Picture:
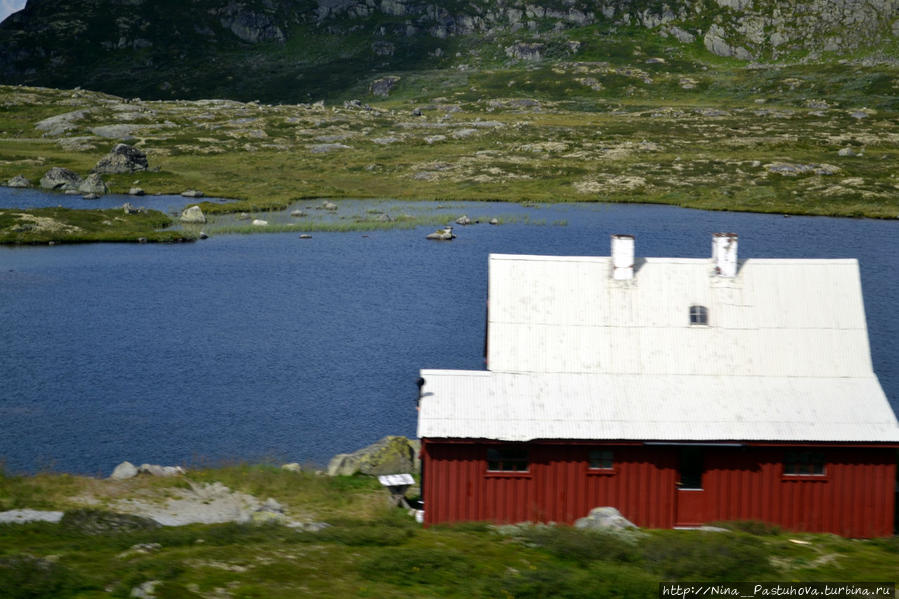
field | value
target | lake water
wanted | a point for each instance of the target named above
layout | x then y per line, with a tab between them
271	347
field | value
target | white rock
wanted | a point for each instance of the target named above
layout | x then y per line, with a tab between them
445	234
157	470
146	590
257	222
123	471
193	214
604	518
26	515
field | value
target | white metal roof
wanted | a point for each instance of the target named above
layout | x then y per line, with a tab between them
523	407
776	317
575	354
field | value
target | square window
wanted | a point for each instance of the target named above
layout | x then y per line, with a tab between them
804	463
600	459
699	315
507	459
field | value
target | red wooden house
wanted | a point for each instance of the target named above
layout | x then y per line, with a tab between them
680	391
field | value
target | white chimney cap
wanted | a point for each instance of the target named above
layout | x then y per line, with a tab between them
724	254
622	257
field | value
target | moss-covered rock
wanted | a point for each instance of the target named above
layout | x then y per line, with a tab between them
99	522
390	455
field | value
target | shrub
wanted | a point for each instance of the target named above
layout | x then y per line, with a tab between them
24	576
752	527
473	526
890	544
375	535
581	546
695	555
597	582
430	566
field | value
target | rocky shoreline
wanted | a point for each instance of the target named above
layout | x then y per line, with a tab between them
215	503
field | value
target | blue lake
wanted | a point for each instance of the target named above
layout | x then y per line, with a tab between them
271	347
35	198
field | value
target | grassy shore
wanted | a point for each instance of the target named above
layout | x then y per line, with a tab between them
63	225
371	550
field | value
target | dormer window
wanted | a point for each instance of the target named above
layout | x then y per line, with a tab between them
699	316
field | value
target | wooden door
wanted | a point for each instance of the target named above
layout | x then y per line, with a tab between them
690	509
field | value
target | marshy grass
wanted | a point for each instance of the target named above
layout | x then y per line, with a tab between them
63	225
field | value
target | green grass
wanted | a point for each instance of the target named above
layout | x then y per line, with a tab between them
371	550
63	225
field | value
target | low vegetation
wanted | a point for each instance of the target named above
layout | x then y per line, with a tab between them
371	550
629	117
64	225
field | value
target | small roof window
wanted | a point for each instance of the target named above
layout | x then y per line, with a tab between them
699	315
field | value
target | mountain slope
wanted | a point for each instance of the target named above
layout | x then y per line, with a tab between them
299	50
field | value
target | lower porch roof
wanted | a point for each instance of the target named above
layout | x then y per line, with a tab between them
509	406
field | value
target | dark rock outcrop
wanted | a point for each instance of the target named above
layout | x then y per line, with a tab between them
251	25
122	159
383	85
99	522
153	49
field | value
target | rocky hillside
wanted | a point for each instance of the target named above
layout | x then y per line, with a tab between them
296	50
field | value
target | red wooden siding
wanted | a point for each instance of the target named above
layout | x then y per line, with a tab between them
854	498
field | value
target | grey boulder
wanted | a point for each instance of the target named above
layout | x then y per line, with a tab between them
382	87
93	184
19	182
61	179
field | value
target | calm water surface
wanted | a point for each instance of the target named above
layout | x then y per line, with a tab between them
272	347
35	198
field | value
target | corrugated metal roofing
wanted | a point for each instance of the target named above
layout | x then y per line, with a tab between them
574	354
775	318
526	406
